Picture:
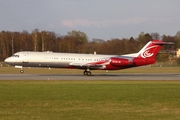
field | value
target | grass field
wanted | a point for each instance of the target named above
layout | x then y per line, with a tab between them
89	100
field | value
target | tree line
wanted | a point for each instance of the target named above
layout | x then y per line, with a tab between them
76	42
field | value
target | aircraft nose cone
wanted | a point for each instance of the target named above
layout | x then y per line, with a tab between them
7	60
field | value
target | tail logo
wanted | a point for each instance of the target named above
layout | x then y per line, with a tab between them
147	52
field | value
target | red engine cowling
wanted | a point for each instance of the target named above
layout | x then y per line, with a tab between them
120	62
143	61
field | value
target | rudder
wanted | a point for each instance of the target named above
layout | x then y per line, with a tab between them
151	49
147	54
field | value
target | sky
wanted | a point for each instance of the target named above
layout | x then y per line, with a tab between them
101	19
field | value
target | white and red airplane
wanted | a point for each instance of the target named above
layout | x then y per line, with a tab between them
87	62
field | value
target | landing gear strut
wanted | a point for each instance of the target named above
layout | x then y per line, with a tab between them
21	67
88	73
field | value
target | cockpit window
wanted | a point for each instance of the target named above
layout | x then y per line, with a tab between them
15	55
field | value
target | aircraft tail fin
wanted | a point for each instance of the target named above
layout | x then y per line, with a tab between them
147	54
151	49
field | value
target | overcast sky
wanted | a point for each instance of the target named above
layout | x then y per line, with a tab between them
103	19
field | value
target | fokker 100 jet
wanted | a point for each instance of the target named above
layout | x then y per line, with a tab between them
87	62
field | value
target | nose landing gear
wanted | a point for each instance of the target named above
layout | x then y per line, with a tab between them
20	67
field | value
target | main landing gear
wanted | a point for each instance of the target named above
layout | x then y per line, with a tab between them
88	73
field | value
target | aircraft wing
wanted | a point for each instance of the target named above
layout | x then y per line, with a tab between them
86	65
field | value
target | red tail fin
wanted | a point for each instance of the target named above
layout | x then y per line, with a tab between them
151	49
147	54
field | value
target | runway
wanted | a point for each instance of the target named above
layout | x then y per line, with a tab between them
116	76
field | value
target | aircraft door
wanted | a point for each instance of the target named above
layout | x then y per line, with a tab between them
25	58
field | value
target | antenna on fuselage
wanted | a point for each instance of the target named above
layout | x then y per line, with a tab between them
94	52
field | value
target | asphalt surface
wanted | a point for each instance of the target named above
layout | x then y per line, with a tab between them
127	76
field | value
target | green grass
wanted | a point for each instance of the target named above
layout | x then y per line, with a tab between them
89	100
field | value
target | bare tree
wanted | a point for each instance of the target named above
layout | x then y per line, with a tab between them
35	35
155	36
